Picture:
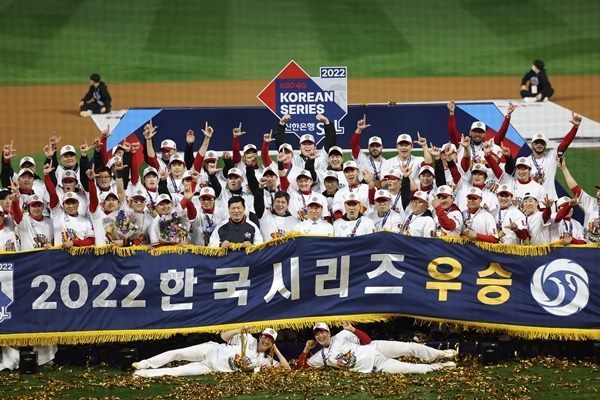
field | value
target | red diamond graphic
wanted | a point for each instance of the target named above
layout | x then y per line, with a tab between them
290	71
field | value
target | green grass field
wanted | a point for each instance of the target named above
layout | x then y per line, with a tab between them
63	41
541	378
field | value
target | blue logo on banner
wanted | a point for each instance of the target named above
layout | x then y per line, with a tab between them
561	287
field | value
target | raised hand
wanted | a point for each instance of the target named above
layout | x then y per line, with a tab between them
505	150
322	118
368	176
268	137
421	141
574	202
362	124
90	174
548	202
262	182
195	175
149	130
237	132
9	152
48	167
436	202
435	152
164	174
347	326
106	133
208	130
575	119
126	146
188	193
54	140
84	148
451	106
465	141
309	345
406	170
226	155
211	168
15	190
135	147
190	137
280	156
487	148
119	165
284	120
513	225
511	108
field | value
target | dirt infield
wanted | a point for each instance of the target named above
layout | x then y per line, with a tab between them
29	114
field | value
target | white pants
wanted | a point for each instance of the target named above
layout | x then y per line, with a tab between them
11	356
390	350
199	355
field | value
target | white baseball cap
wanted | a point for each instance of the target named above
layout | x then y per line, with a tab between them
307	138
350	164
235	171
168	145
530	195
451	145
321	326
304	173
479	168
26	159
140	193
405	137
538	137
163	197
176	158
149	170
337	149
69	175
445	190
522	161
67	149
210	155
104	195
70	196
427	168
112	161
351	198
286	146
562	201
315	200
376	140
394	173
207	192
478	125
35	199
248	147
25	171
497	151
423	196
504	189
186	175
331	175
270	332
475	192
382	194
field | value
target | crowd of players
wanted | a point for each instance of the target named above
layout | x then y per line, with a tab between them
470	186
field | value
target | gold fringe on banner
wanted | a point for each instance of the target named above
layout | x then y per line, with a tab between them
208	251
72	338
273	242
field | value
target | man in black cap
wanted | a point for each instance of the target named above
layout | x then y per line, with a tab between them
96	100
539	88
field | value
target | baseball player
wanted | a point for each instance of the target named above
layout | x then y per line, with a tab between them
165	208
538	222
5	199
336	164
479	224
36	186
374	162
419	222
314	224
510	221
361	190
167	149
447	216
104	212
563	227
235	183
477	133
35	230
589	204
298	206
277	222
241	352
479	174
392	180
68	161
404	145
8	239
353	223
383	216
352	349
331	184
208	218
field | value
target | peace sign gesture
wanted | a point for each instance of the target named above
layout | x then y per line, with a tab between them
421	141
237	132
575	119
267	137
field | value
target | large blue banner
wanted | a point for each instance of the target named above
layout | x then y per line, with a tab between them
53	296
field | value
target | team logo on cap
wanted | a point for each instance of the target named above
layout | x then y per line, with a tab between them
479	125
69	174
473	190
381	193
352	196
419	193
442	189
306	137
210	154
539	136
331	173
70	195
206	190
504	187
69	148
139	192
405	137
164	143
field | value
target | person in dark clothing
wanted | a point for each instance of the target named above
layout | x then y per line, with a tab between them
539	88
237	229
96	100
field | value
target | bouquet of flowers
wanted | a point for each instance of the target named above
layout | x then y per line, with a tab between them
126	225
172	230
